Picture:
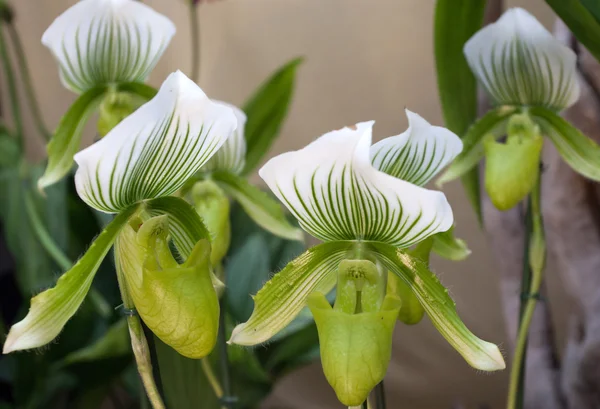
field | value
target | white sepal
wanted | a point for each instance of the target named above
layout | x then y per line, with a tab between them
520	63
98	42
335	193
154	151
419	153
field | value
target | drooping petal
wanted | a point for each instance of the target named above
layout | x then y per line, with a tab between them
418	154
154	151
232	155
99	42
439	307
333	190
283	297
51	309
520	63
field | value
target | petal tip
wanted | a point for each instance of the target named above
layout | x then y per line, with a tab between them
494	360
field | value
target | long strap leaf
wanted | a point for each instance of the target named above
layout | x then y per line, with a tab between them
581	21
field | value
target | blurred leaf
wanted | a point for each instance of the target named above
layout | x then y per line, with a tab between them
262	208
579	151
247	270
266	110
286	355
10	152
66	141
183	380
455	22
578	16
593	6
114	343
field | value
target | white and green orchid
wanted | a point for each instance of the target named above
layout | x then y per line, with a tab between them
367	204
105	50
132	172
530	76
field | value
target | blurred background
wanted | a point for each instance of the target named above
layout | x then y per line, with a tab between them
363	60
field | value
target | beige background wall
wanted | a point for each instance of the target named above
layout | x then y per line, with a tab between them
364	60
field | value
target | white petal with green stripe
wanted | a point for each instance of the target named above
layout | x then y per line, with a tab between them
99	42
520	63
232	155
335	193
154	151
418	154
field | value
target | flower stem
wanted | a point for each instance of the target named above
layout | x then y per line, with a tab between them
56	253
227	398
195	41
535	259
11	84
380	396
29	90
212	378
139	344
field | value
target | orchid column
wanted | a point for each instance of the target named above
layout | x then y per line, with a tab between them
367	205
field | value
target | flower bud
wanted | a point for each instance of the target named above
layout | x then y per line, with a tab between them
355	348
512	168
212	205
177	302
115	107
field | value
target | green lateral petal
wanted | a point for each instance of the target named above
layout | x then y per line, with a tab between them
101	42
154	151
266	212
335	193
450	247
520	63
185	225
418	154
232	155
440	308
51	309
266	110
493	122
284	296
66	141
579	151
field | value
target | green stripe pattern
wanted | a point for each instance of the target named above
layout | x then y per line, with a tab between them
154	151
520	63
418	154
335	193
100	42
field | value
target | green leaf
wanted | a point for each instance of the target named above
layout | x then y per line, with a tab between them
115	342
264	210
450	247
247	270
284	296
455	22
579	151
493	122
577	16
266	110
593	7
51	309
439	307
66	141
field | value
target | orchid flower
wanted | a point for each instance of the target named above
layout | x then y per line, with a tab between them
368	206
530	77
105	50
220	179
131	172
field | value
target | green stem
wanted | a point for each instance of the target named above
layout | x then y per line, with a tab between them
12	89
380	396
195	41
23	68
139	345
535	258
212	378
224	358
56	253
